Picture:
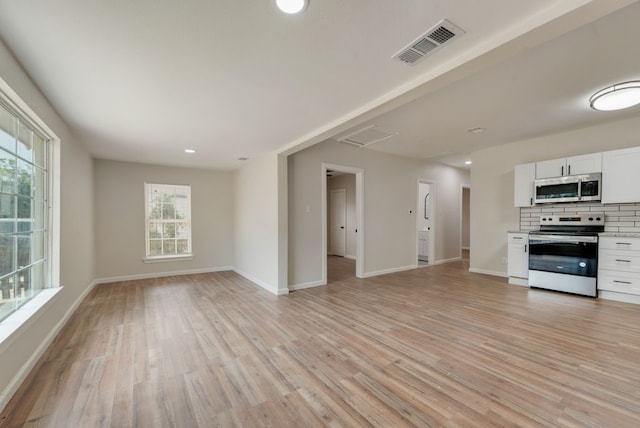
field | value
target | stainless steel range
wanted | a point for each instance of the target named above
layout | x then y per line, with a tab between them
563	255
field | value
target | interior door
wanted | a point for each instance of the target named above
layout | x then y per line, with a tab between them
337	222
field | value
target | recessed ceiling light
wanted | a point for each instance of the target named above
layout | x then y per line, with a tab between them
189	151
292	6
616	97
467	162
476	130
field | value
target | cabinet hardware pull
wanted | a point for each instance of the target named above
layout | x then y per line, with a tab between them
525	248
622	282
569	170
531	201
626	261
517	237
623	243
561	171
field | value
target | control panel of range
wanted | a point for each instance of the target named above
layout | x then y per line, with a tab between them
579	219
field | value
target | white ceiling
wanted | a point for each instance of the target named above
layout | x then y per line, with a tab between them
143	80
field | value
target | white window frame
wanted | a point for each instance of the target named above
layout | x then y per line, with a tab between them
16	323
167	257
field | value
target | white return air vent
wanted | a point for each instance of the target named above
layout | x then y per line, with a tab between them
366	136
441	33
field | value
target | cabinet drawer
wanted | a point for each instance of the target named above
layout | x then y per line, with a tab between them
626	261
518	238
621	283
617	243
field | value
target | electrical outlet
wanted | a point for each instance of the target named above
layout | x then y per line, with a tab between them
504	260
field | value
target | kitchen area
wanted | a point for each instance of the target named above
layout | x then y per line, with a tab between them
579	225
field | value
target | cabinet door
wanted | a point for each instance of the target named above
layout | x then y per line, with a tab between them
518	255
523	184
620	176
551	168
585	164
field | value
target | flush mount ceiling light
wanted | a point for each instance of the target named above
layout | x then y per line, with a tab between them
467	162
616	97
292	6
189	151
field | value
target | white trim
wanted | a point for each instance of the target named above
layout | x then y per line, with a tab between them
349	256
523	282
119	278
302	286
360	247
489	272
618	297
465	248
431	252
391	270
170	258
270	288
443	261
22	374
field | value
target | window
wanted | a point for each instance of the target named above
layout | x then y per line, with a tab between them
24	226
168	218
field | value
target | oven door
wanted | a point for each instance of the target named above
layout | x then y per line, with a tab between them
564	254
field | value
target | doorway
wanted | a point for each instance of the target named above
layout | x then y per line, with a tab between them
425	222
343	219
338	212
465	222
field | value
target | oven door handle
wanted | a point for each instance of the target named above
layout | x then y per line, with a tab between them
562	238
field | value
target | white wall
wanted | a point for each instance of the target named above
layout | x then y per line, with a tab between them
120	225
390	191
77	267
348	183
260	222
492	182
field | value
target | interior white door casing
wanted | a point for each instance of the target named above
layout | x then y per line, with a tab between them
359	173
425	187
337	222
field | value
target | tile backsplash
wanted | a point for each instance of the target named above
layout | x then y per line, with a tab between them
617	217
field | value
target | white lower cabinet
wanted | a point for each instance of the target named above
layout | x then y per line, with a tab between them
518	258
619	268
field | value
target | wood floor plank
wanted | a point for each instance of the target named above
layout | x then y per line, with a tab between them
434	346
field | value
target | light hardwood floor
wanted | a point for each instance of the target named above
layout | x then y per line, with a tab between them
436	346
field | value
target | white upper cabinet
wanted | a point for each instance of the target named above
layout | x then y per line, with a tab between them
584	164
523	185
575	165
551	168
620	176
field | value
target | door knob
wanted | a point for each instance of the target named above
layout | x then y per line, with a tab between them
341	227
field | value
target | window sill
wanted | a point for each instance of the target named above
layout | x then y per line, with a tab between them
10	327
163	259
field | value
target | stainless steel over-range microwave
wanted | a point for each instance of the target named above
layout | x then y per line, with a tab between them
571	188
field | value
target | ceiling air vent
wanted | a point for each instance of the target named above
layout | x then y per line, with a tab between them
441	33
366	136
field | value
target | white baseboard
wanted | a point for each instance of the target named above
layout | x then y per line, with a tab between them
386	271
307	285
26	368
466	248
161	274
519	281
443	261
268	287
349	256
489	272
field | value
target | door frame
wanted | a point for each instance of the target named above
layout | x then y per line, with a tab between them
431	253
462	188
359	173
343	192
